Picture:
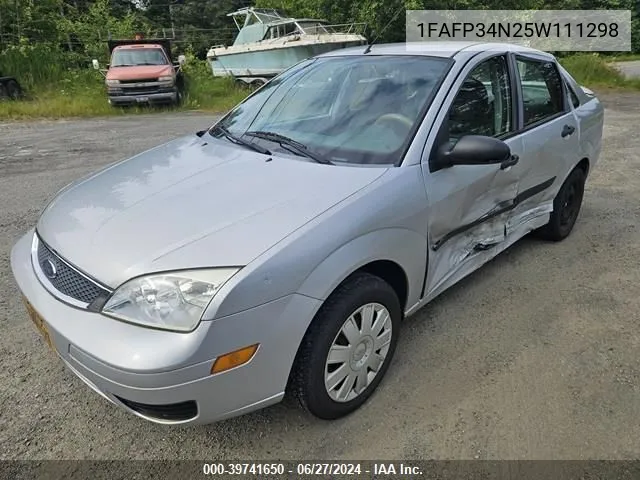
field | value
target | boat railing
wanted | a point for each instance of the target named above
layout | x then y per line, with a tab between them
354	28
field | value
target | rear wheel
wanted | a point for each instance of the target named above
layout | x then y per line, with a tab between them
566	207
256	84
348	348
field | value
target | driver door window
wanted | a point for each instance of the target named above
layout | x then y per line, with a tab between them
483	105
467	215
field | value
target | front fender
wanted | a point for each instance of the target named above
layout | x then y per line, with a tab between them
406	248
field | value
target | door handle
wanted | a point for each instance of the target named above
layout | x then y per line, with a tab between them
567	130
509	162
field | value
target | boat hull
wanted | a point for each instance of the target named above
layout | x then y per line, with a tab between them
265	63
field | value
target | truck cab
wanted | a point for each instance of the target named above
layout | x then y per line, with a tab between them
141	72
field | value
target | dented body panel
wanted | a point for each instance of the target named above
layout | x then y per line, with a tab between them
477	211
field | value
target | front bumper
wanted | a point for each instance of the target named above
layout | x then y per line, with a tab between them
142	98
151	372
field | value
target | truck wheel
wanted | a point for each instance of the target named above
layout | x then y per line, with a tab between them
3	92
13	90
256	84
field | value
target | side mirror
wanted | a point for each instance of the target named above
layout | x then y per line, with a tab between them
472	150
96	65
182	60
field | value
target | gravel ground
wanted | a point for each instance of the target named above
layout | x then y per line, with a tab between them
629	69
535	356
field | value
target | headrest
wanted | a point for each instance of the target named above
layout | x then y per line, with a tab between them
472	99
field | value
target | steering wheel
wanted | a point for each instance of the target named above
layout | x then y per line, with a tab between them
396	119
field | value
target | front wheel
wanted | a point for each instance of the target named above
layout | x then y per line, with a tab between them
566	207
348	347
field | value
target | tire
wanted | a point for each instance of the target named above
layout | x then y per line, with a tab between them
3	92
367	352
13	90
179	98
566	207
256	84
180	91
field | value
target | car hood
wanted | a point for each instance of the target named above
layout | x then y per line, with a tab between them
194	202
139	72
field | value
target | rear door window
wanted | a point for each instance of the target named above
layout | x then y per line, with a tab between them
575	101
542	90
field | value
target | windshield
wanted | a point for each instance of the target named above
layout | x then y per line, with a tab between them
140	56
354	109
313	28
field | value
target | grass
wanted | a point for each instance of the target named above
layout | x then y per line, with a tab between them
204	92
82	94
55	91
624	57
594	71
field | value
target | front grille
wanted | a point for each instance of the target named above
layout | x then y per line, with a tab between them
66	279
136	90
174	412
141	80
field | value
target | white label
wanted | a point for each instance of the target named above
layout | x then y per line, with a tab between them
549	30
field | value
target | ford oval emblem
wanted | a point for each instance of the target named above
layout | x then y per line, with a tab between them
49	269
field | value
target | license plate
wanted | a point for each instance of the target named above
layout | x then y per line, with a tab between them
142	99
39	323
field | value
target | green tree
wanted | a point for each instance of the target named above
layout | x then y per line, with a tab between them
92	27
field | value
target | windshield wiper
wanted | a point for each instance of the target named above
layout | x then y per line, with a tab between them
233	138
296	147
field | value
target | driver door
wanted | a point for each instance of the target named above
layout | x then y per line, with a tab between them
468	204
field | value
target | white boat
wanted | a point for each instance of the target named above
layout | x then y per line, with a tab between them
269	43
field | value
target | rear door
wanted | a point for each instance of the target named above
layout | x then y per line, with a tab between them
550	139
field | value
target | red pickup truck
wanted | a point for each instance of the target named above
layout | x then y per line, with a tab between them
141	72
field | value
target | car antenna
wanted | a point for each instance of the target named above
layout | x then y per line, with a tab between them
368	49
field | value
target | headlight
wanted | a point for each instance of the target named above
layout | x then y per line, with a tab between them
165	79
113	82
169	301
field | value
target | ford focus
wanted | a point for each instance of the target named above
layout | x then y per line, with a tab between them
277	252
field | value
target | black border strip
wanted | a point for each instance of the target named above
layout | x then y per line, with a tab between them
521	197
267	75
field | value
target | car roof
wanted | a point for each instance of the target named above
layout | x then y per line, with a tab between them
435	49
137	45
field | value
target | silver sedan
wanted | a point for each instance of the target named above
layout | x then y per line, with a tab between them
278	251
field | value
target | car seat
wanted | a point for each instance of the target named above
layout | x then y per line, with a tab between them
471	112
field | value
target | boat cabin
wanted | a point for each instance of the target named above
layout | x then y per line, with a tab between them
267	24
